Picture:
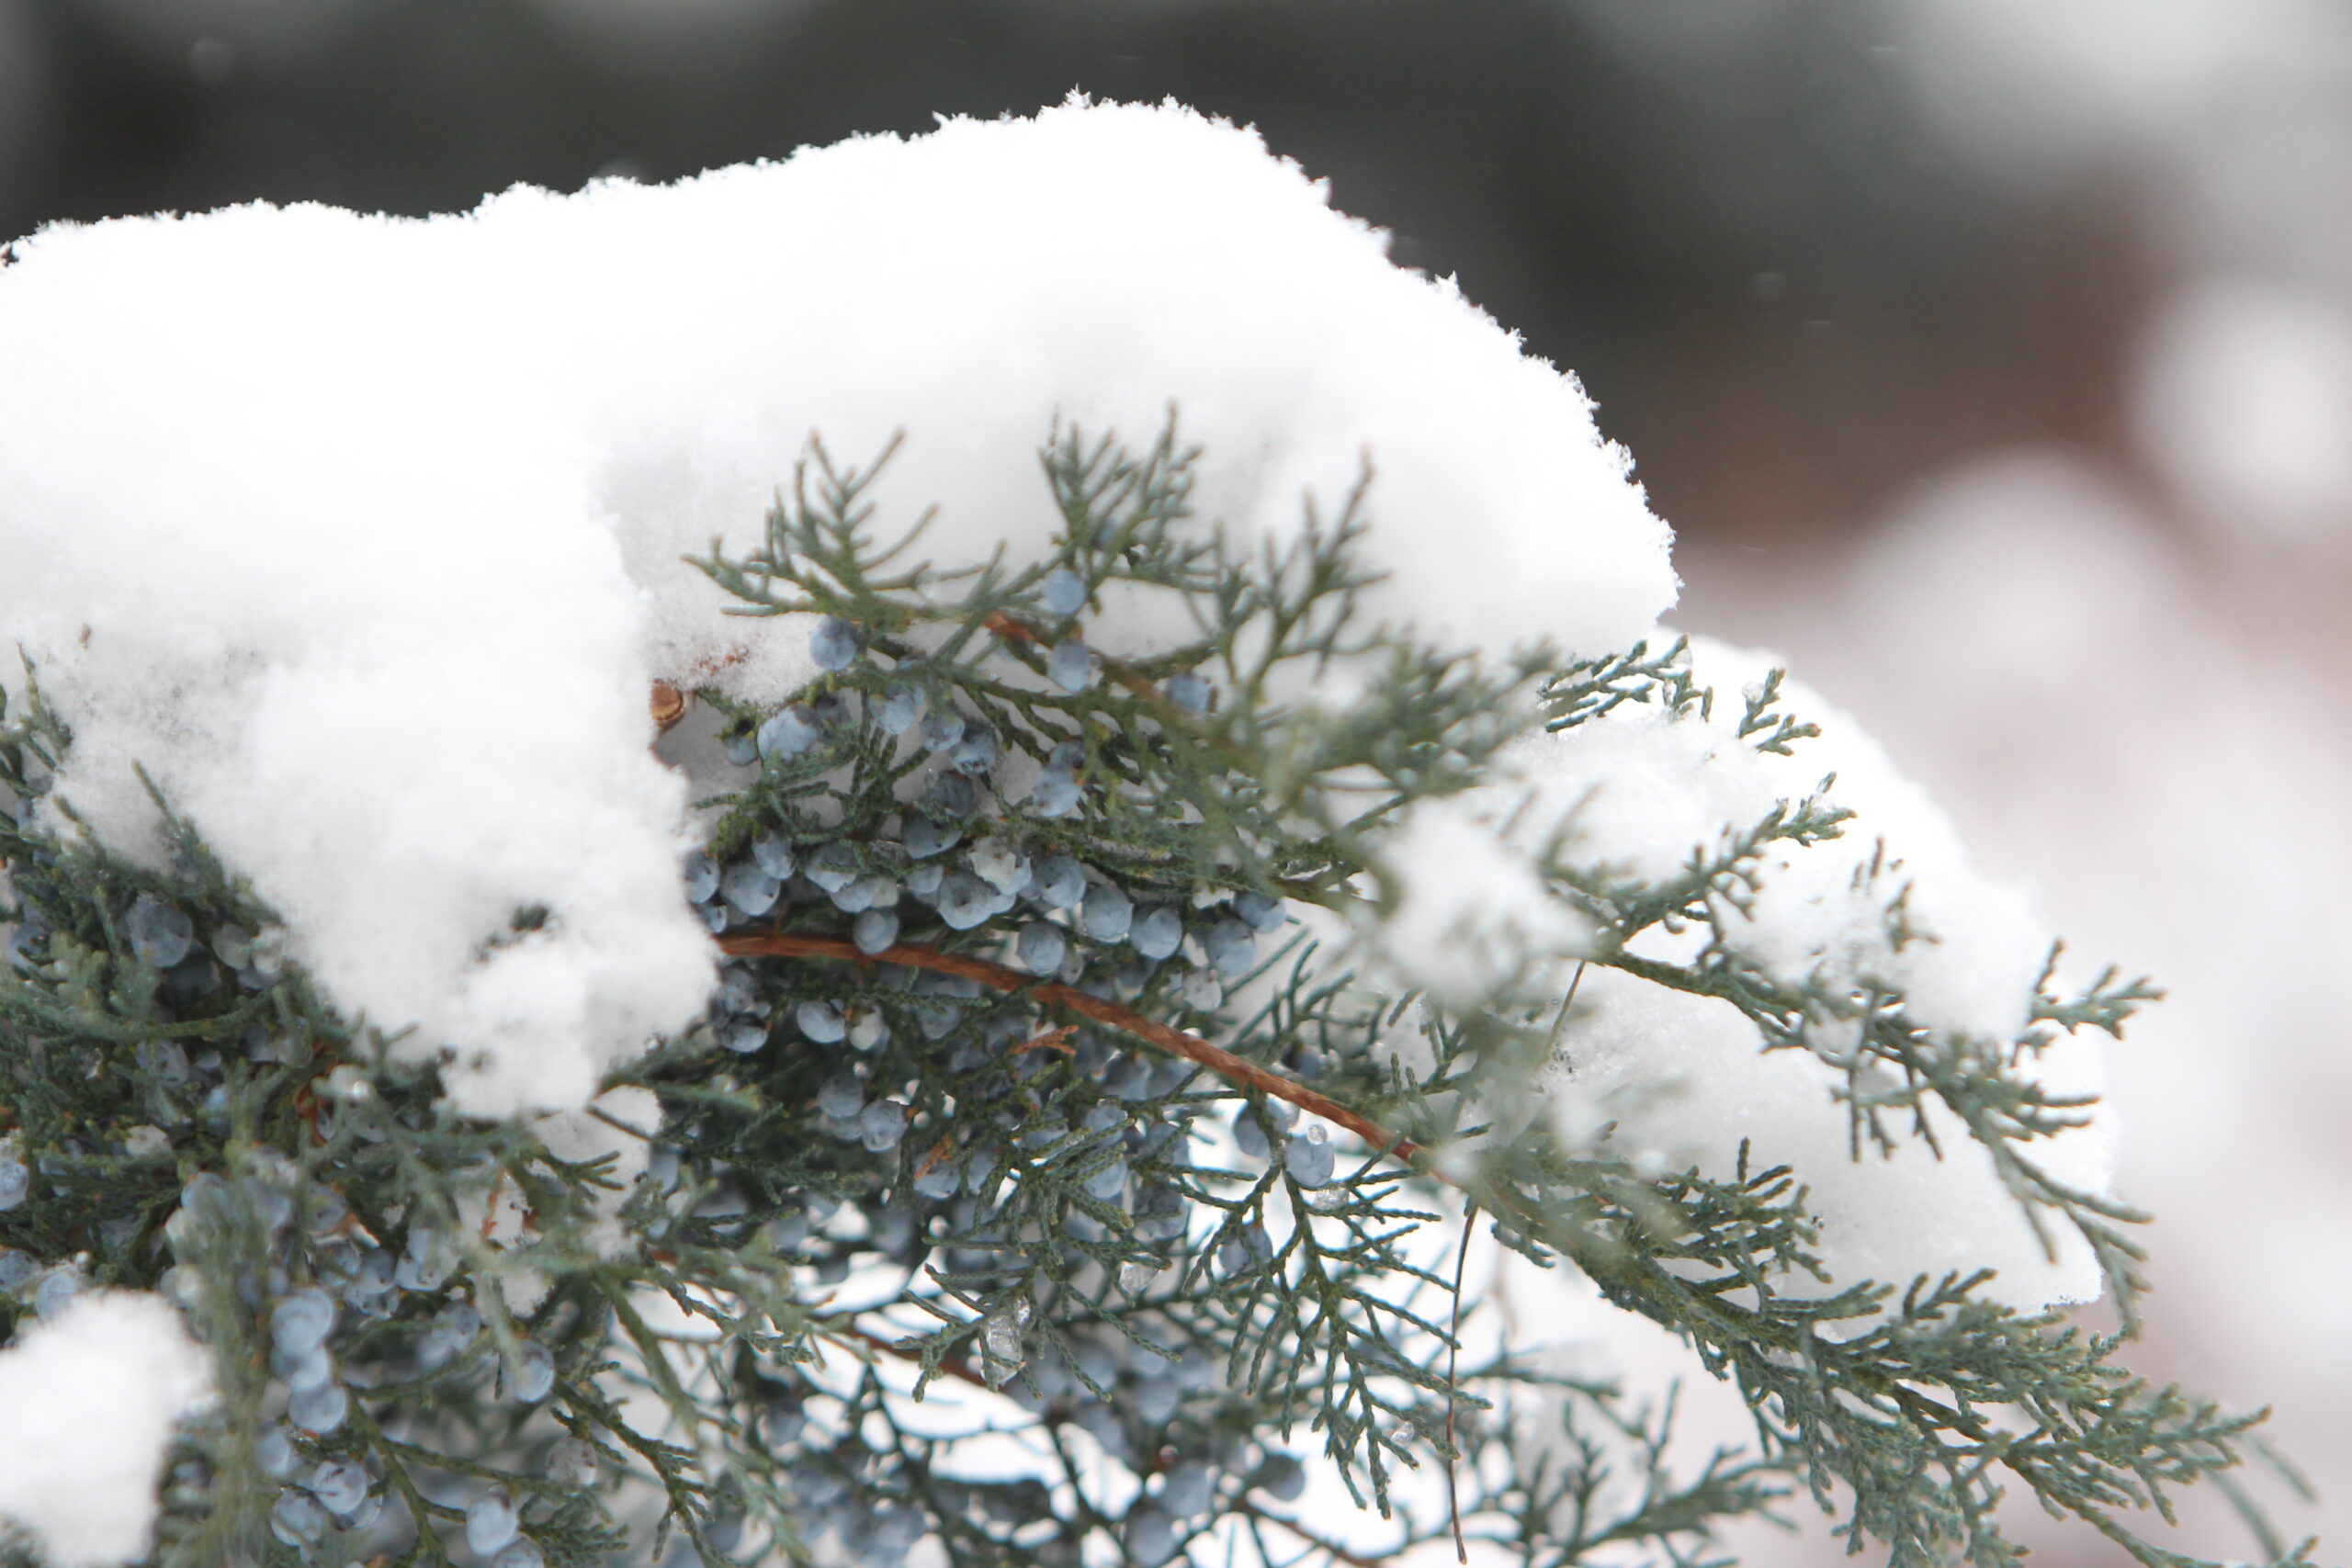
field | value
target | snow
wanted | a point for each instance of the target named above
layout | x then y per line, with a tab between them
91	1399
1685	1079
1472	910
362	535
2149	722
1639	794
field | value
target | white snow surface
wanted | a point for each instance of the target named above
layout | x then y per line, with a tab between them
1637	794
1472	910
90	1402
361	535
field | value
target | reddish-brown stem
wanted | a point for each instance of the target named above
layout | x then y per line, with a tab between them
1192	1047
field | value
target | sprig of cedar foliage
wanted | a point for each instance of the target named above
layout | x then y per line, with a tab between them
819	1312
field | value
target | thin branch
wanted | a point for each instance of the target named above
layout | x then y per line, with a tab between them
1337	1553
1192	1047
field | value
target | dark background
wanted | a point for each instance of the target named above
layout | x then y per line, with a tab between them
1788	297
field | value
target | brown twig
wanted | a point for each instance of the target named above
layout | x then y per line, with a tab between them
1192	1047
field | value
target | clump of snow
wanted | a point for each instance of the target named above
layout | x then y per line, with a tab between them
595	1133
90	1400
361	535
1685	1079
1472	910
1639	795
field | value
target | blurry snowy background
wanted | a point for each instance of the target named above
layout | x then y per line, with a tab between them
1993	359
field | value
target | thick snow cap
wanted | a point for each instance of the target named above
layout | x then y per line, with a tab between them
362	533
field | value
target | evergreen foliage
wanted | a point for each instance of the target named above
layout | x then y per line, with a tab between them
980	1207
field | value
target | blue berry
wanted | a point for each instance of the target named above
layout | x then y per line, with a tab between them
738	991
1072	665
297	1518
831	868
520	1552
15	1181
1042	947
873	891
840	1096
532	1377
749	888
342	1484
938	1182
952	794
965	900
773	855
319	1409
427	1260
274	1452
1231	947
743	749
1154	1398
874	929
1282	1477
16	1269
1189	1489
743	1035
160	934
821	1021
1055	795
1187	692
1128	1079
56	1292
1064	592
702	877
1158	934
898	709
573	1462
834	644
870	1031
976	753
941	730
790	733
233	945
1260	912
1105	913
1152	1537
1060	882
1250	1251
924	837
1309	1157
491	1521
300	1322
881	1125
1108	1182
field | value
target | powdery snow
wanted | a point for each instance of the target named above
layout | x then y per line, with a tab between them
91	1400
1472	910
362	535
1685	1079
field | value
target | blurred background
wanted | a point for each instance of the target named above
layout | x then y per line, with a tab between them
1992	358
